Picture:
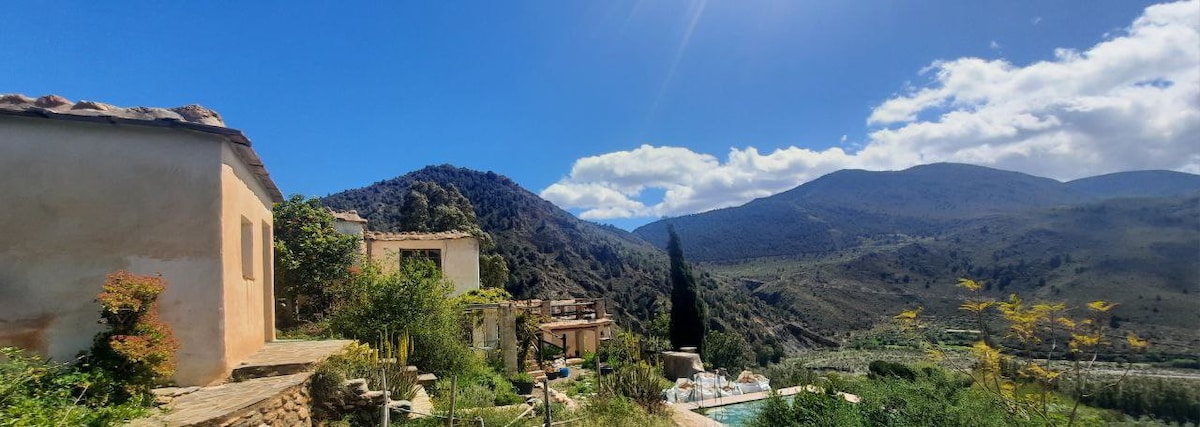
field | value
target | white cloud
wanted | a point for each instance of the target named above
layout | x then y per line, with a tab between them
1132	101
994	45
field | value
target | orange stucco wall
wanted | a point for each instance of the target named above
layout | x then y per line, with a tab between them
248	309
84	199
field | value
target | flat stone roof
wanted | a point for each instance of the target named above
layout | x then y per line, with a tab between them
443	235
348	216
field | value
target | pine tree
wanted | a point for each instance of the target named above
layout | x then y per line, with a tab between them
688	321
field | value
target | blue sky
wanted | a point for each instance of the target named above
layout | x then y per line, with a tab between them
624	111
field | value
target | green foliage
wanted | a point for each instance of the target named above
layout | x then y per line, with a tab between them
623	349
37	392
1175	400
807	409
482	386
589	359
639	382
310	255
688	320
483	296
520	378
619	411
431	207
377	366
136	344
493	271
884	369
934	397
789	373
527	331
413	300
542	244
578	386
660	327
725	350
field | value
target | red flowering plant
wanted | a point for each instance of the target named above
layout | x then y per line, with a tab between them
137	346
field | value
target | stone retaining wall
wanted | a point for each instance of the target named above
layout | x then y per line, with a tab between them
292	407
272	401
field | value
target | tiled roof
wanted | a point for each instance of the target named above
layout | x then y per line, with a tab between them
348	216
443	235
188	117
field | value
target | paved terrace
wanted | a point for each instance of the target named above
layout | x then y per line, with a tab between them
213	406
287	357
260	391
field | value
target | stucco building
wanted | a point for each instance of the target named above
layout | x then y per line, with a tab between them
455	252
91	188
349	222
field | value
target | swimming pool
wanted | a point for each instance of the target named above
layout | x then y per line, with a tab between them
738	414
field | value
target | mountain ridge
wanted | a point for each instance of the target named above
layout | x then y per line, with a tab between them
845	251
553	254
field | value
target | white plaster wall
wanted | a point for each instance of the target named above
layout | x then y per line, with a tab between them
461	261
348	227
460	258
83	200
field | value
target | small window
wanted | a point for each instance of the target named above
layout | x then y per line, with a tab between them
247	249
434	255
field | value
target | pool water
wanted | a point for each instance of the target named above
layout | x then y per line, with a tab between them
738	414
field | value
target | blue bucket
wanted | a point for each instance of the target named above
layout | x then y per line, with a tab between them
564	372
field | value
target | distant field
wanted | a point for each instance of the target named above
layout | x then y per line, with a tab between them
856	361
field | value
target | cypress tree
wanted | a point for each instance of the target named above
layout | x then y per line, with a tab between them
687	310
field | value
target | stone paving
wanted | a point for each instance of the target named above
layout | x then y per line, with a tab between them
213	405
421	404
265	375
287	357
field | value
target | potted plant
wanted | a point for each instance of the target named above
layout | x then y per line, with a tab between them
523	382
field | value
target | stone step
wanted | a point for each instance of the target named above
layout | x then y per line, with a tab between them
286	358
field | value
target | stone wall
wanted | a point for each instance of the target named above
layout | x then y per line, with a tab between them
291	407
272	401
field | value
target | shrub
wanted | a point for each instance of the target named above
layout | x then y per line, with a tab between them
359	361
790	373
37	392
623	349
137	344
641	383
884	369
589	360
310	255
808	409
619	412
1175	400
413	301
521	377
725	350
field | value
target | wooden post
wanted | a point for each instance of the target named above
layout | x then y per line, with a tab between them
386	420
546	393
453	397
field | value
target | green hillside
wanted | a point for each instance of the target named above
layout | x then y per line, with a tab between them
553	254
845	252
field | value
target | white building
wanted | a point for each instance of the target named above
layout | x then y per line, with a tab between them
455	252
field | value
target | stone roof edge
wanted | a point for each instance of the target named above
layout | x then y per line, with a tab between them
241	143
440	235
